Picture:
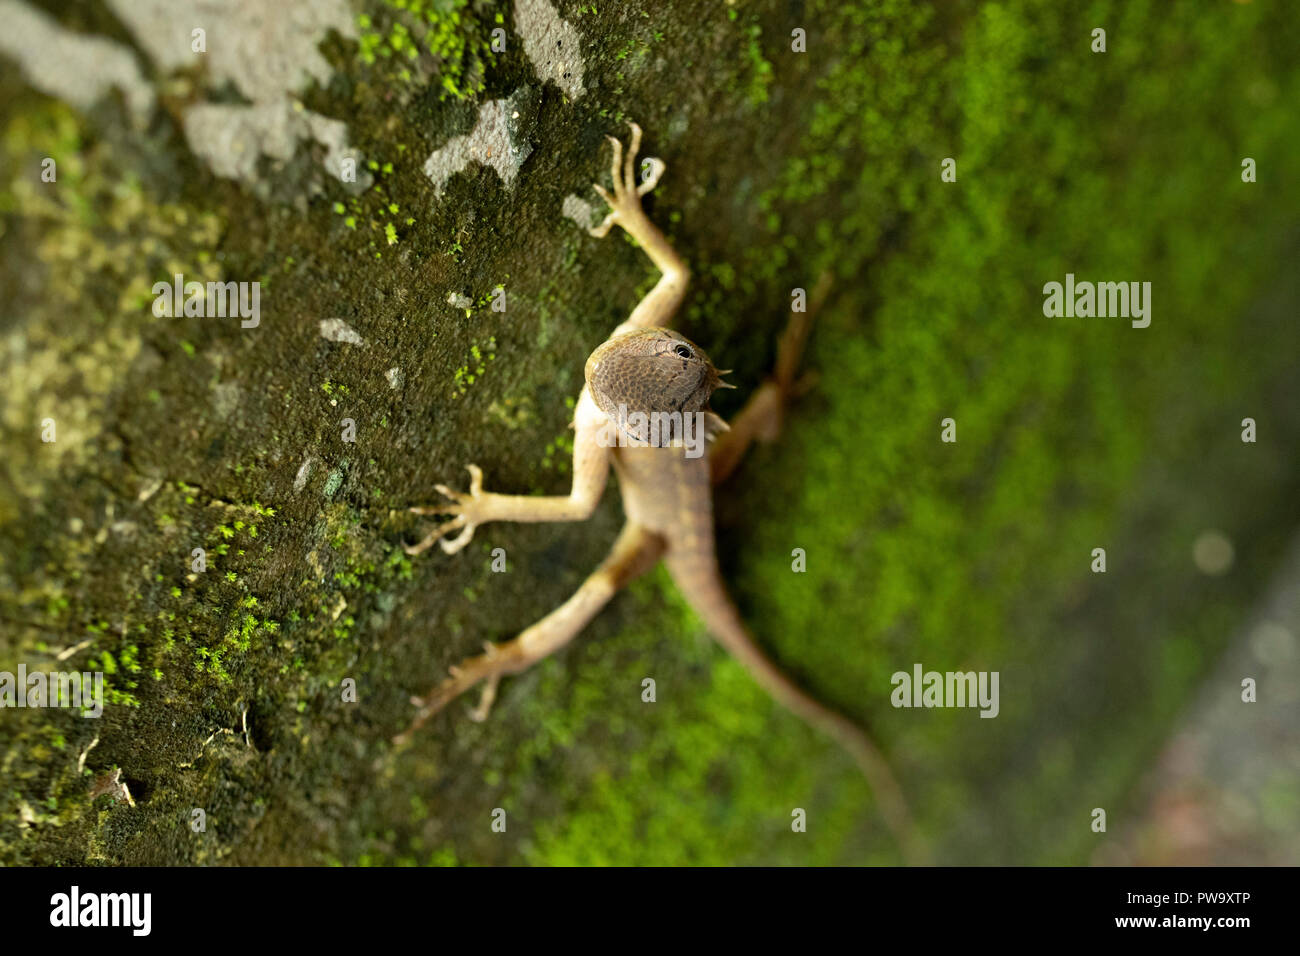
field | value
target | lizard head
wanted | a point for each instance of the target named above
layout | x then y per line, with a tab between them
651	370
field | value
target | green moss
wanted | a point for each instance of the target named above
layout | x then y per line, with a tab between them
398	34
930	585
481	354
760	79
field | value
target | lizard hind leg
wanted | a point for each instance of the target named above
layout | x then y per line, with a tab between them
761	417
635	552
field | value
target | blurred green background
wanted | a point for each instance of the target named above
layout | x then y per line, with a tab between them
1073	433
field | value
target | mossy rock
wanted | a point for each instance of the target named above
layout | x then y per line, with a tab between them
1072	434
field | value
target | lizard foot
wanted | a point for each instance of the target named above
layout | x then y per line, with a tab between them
463	510
487	667
625	203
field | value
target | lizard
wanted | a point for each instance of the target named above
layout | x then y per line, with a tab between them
646	366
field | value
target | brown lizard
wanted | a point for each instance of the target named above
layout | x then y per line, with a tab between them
646	367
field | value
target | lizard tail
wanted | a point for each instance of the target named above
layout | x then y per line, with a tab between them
695	572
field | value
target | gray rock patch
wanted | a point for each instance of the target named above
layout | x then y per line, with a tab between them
579	210
266	51
77	69
336	330
497	140
553	45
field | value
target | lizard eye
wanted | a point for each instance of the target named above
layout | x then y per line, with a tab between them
684	351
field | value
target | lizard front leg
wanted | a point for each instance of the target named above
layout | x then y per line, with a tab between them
660	304
635	552
468	510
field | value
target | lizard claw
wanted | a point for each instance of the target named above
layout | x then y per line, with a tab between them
480	713
463	509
